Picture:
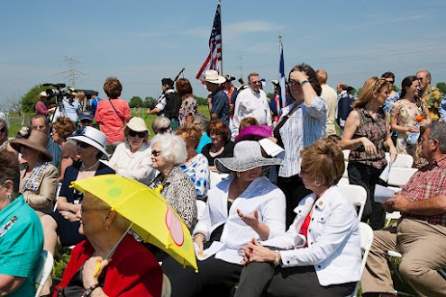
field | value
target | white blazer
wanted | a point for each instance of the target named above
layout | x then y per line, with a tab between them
260	195
333	239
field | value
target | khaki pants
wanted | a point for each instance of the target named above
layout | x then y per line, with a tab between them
423	247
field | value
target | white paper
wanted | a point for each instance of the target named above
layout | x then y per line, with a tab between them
271	148
210	251
383	193
386	172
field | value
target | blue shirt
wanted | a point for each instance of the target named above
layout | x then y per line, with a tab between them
204	140
21	242
220	106
55	151
390	102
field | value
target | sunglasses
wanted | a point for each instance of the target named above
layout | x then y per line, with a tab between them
3	130
156	153
137	134
83	145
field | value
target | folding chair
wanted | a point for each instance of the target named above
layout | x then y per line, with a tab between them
44	271
357	195
366	243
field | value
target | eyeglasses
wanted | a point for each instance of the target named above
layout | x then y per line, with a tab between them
83	145
3	130
137	134
156	153
257	82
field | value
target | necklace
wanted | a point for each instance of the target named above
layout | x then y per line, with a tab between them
89	167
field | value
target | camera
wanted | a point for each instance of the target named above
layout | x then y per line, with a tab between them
57	90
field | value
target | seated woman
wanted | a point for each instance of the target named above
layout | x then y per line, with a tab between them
244	206
196	165
105	265
64	222
21	236
320	254
221	145
38	181
132	157
168	152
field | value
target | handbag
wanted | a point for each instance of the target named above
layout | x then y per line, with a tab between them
276	131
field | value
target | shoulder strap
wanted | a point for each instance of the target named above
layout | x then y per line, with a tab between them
114	109
285	118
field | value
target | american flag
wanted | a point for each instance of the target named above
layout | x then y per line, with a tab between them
215	57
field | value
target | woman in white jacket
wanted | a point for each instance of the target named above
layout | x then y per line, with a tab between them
132	158
244	206
320	254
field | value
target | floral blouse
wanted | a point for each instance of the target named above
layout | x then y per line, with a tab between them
197	169
188	107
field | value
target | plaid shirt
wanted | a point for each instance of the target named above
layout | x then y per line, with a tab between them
427	183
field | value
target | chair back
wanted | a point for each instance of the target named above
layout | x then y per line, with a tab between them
166	289
44	270
366	234
402	160
357	195
399	176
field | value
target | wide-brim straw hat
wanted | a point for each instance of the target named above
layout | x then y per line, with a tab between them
37	141
247	155
93	137
137	124
212	76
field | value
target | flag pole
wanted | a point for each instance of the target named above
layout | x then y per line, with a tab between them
221	36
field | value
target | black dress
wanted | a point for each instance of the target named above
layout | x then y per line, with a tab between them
67	231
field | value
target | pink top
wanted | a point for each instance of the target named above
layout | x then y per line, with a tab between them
41	108
111	122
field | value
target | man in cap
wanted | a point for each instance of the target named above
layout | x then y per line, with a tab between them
41	107
219	100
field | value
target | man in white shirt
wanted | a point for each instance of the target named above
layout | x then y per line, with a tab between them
331	98
252	102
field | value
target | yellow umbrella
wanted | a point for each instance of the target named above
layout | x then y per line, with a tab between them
153	219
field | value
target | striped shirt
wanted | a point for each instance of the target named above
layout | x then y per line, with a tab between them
305	126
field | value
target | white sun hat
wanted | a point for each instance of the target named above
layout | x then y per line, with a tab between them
93	137
212	76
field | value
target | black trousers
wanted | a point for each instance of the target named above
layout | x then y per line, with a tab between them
214	278
367	177
263	279
294	191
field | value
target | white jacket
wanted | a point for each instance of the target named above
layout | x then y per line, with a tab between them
137	165
333	239
260	195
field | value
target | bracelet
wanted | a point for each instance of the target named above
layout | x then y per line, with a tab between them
90	290
304	82
277	259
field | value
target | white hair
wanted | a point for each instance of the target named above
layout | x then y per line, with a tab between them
172	147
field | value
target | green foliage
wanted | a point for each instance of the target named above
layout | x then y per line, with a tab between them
31	97
135	101
201	100
149	102
442	87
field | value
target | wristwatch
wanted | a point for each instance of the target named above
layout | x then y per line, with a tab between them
90	290
277	259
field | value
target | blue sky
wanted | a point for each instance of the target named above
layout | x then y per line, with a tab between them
142	41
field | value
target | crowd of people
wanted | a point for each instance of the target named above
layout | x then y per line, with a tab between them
273	223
